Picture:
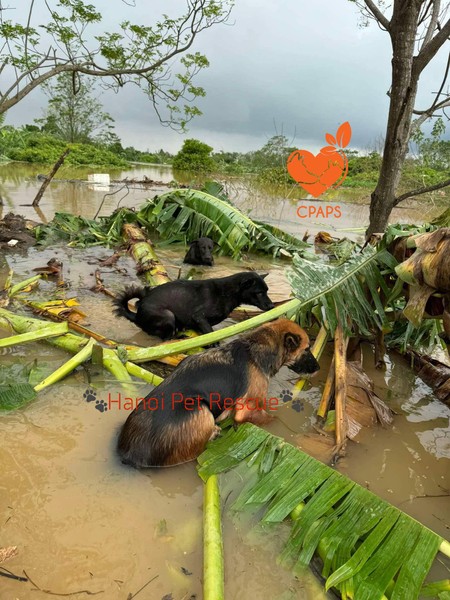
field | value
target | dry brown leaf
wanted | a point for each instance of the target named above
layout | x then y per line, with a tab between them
323	237
321	447
430	241
362	404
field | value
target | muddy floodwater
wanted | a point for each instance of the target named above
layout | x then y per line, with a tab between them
83	522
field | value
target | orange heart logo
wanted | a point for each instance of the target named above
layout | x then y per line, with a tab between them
329	168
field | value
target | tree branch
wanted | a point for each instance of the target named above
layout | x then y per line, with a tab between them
429	50
433	22
424	190
183	31
27	32
376	12
426	114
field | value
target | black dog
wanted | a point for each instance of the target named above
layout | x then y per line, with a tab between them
200	252
175	421
198	304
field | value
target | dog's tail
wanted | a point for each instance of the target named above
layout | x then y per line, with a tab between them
121	302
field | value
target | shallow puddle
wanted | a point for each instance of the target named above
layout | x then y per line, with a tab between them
83	521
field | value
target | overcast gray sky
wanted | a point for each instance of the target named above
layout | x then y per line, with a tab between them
295	66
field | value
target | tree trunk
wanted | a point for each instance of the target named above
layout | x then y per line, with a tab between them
403	31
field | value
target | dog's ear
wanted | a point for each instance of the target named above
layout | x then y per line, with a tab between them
193	243
291	341
216	244
263	275
248	283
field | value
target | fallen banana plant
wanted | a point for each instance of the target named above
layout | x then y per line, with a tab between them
82	356
188	214
58	309
340	383
369	549
427	273
51	330
63	312
177	215
434	373
14	396
357	406
142	250
213	570
24	286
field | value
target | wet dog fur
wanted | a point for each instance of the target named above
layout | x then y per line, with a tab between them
192	304
174	433
200	252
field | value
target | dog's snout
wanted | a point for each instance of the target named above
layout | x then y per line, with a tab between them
266	304
306	364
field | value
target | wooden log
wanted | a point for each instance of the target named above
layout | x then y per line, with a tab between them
47	180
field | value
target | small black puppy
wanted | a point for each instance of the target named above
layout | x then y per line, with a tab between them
200	252
195	304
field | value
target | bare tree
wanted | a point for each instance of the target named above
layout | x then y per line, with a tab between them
31	52
417	29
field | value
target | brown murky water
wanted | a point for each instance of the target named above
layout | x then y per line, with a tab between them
83	521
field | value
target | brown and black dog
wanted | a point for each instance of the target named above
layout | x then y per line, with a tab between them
173	424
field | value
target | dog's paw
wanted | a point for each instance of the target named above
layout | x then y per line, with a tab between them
90	395
216	432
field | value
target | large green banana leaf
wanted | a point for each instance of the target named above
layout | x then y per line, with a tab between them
368	547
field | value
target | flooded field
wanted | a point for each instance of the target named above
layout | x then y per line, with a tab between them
83	522
280	206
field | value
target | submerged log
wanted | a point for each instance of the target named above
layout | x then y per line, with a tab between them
434	373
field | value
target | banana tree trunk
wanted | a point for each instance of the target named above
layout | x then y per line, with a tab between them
141	249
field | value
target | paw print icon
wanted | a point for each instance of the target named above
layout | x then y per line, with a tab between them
286	396
297	405
101	405
90	395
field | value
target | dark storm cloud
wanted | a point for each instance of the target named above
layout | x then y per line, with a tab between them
294	65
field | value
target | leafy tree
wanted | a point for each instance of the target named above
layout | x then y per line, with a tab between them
273	154
38	147
73	114
194	156
434	152
417	30
68	41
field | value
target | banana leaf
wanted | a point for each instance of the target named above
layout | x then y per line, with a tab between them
186	213
83	232
178	215
366	545
350	290
17	383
